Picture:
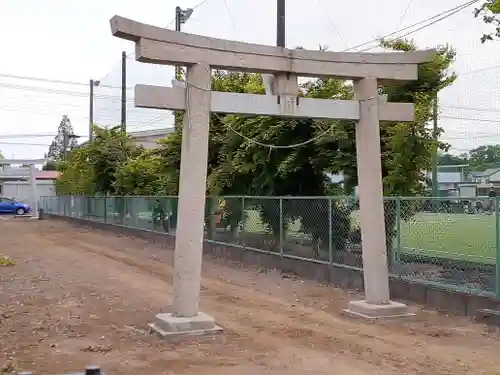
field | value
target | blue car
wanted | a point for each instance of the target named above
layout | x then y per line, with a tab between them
10	206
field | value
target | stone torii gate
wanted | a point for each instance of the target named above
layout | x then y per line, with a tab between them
200	55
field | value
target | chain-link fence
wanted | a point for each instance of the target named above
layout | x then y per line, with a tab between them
452	243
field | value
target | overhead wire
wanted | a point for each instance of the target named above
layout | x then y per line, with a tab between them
30	135
425	26
434	19
171	21
475	109
56	81
332	24
471	119
404	14
25	144
230	14
428	21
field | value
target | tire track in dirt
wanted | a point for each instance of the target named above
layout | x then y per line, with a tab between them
272	322
348	338
285	357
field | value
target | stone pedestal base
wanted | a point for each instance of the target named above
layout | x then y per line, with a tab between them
167	325
365	310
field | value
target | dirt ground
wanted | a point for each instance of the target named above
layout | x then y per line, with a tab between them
78	297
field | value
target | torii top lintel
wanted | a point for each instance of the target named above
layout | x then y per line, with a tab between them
162	46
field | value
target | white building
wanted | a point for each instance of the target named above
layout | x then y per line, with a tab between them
19	183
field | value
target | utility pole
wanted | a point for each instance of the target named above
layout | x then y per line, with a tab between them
280	24
435	182
91	108
65	145
178	13
181	16
124	93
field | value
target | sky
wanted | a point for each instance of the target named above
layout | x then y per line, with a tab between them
69	41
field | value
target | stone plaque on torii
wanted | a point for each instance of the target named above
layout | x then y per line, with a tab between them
201	54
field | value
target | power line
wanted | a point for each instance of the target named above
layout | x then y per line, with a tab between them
25	144
35	135
434	19
478	70
230	14
332	25
481	136
58	91
471	119
38	79
171	21
404	14
430	23
477	109
427	25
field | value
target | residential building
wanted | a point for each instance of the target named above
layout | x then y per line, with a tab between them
450	177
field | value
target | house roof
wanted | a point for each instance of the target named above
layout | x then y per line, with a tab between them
485	173
47	175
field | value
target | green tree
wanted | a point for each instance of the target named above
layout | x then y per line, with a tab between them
50	165
484	157
77	175
92	168
407	148
450	159
146	175
265	156
63	138
488	12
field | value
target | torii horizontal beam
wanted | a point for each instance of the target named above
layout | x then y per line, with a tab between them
160	97
162	46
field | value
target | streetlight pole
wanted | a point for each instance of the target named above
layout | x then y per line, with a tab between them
181	17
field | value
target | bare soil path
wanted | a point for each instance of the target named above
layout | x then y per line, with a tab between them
79	296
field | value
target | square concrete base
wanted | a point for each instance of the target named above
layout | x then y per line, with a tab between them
167	325
365	310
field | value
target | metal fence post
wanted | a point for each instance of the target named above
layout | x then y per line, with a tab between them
330	232
282	235
396	250
242	233
105	209
497	249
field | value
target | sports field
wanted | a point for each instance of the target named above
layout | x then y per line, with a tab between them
441	235
453	236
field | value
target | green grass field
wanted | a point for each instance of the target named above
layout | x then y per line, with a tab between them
452	236
442	235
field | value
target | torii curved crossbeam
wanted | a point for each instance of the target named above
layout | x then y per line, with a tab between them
162	46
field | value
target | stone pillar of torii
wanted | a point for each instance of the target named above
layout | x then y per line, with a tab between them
202	54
